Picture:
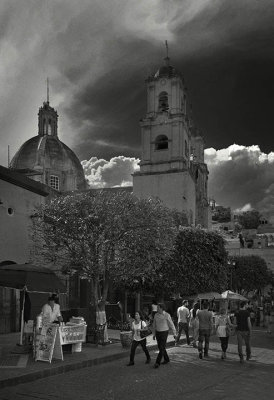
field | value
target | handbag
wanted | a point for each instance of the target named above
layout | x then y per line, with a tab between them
145	332
230	330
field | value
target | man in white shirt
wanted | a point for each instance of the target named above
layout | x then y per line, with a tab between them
51	311
183	315
161	324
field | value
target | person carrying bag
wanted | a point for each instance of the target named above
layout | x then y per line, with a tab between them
139	328
223	330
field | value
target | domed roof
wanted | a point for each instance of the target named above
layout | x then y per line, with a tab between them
48	153
166	71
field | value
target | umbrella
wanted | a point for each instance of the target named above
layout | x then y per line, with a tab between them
208	296
31	278
229	295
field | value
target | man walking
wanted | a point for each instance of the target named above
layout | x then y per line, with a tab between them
243	331
161	324
205	325
183	321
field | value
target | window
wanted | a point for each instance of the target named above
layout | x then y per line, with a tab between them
54	182
163	102
161	142
10	211
49	128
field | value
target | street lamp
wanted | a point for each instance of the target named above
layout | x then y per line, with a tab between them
231	263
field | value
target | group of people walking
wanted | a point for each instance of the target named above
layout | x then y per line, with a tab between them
200	321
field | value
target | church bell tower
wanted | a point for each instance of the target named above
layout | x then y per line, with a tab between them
166	167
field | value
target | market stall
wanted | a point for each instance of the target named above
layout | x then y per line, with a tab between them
29	278
50	338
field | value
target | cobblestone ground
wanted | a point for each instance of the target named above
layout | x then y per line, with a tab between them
186	377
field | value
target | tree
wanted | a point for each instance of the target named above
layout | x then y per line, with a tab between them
250	273
198	264
103	236
249	219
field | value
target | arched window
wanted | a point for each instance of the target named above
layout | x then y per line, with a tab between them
49	128
54	182
161	142
163	102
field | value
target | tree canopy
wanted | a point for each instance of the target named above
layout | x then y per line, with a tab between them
249	219
250	273
197	264
105	236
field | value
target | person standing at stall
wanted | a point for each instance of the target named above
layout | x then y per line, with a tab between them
51	311
162	322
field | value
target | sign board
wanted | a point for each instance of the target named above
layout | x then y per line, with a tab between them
73	333
47	344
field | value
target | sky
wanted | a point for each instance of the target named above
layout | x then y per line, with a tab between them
97	55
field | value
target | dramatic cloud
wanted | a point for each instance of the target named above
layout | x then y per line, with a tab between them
98	53
242	177
116	172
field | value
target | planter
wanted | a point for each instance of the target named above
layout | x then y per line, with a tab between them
126	338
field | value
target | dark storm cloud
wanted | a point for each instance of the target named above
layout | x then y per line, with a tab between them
222	48
241	177
97	55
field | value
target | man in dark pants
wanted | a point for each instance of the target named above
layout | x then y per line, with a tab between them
161	324
205	325
243	331
183	321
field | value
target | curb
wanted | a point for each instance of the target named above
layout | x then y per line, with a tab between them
61	369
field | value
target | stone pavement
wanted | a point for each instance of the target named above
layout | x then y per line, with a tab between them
21	368
29	370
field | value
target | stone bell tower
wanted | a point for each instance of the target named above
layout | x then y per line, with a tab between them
166	168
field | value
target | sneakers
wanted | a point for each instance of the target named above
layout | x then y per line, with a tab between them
148	361
130	364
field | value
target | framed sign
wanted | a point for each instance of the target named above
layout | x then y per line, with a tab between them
73	334
47	344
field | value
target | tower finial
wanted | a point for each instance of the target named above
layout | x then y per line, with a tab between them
166	49
167	57
48	90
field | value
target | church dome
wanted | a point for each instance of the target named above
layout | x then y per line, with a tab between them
167	71
46	159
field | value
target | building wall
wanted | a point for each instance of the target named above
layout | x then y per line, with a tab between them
18	204
176	190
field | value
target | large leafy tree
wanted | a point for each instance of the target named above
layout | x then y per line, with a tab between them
198	264
249	219
105	236
250	273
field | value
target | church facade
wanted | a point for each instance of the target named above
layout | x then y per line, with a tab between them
172	166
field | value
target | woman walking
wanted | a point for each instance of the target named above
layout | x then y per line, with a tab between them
222	325
136	327
194	323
